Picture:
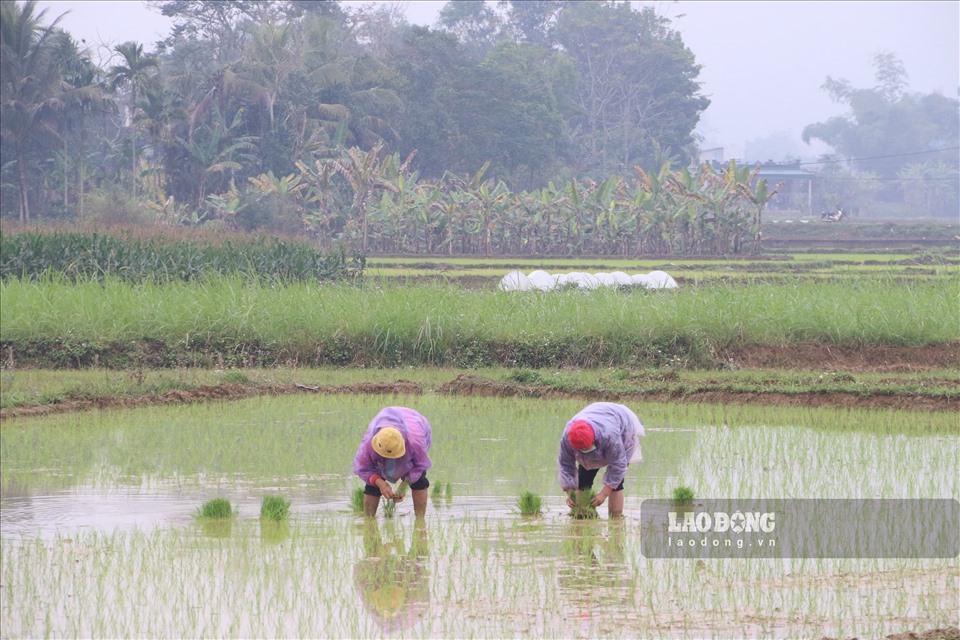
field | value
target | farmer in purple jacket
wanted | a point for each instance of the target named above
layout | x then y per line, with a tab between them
603	434
393	449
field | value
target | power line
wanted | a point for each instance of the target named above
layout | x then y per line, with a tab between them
894	155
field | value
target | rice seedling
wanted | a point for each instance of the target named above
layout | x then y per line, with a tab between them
682	495
582	509
274	507
530	504
356	500
215	508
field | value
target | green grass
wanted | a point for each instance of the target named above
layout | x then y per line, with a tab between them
530	504
234	376
28	387
224	322
215	508
274	507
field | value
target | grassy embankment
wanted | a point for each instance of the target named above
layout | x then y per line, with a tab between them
226	322
117	339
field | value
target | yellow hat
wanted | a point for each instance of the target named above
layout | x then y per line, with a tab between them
388	442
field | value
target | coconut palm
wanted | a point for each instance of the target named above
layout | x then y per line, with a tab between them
81	96
134	72
30	83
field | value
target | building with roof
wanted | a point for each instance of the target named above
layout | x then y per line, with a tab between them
796	186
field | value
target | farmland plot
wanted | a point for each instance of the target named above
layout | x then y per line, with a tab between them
99	538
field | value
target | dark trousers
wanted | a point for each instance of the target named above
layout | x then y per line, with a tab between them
585	478
422	483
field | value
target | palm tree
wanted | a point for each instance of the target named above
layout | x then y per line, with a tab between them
81	95
30	82
133	72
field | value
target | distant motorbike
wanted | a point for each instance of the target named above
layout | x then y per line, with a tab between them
826	216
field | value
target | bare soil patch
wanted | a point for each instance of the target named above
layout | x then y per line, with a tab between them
945	633
212	392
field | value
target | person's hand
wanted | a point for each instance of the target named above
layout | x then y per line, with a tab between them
570	500
385	489
602	496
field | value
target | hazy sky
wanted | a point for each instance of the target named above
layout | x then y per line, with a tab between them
763	62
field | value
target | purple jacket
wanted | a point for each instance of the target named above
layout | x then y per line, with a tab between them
617	431
416	437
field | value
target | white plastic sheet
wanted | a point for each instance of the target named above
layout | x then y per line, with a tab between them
543	281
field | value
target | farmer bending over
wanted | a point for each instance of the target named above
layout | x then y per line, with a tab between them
603	434
393	449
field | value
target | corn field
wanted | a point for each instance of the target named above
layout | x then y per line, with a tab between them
84	256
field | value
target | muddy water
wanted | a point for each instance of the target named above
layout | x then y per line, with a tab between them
99	539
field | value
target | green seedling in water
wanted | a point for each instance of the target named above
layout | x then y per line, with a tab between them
530	504
582	509
215	509
274	508
683	495
437	491
356	500
448	491
390	506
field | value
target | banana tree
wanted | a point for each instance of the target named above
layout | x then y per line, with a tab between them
322	192
366	173
286	192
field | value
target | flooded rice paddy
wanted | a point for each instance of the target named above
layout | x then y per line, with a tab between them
99	536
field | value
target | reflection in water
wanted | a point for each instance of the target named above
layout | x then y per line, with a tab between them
216	527
393	581
274	531
593	571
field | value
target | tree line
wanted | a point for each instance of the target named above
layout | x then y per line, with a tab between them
531	127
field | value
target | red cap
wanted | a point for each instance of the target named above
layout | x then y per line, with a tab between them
580	435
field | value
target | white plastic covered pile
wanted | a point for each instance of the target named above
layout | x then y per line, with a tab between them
543	281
